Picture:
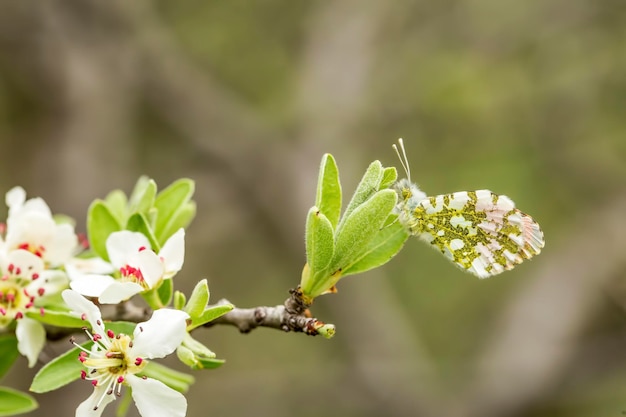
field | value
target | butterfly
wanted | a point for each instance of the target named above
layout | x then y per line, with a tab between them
480	231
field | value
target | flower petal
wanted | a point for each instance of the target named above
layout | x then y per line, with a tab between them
119	291
150	266
123	247
31	336
91	285
62	245
80	266
172	253
80	305
94	405
160	335
155	399
15	197
27	263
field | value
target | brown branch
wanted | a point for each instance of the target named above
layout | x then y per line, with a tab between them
293	315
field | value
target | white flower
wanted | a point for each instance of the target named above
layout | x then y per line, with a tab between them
138	267
31	227
23	282
114	360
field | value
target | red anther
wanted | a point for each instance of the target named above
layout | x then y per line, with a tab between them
10	268
23	246
3	311
5	277
110	334
83	316
10	297
41	291
42	312
95	384
120	379
138	361
35	276
19	315
142	248
96	337
29	304
18	271
83	375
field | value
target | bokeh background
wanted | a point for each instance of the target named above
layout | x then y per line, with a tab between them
525	98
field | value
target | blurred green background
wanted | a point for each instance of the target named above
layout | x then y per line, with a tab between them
526	98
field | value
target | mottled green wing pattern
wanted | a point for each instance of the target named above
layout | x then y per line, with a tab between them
479	231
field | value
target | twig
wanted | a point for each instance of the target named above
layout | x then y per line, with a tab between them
293	315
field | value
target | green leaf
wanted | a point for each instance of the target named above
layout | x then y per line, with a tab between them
209	363
198	300
179	381
169	202
390	175
8	352
138	223
360	228
143	195
14	402
166	291
385	245
100	224
320	240
328	195
179	300
58	318
210	314
181	218
369	185
59	372
116	202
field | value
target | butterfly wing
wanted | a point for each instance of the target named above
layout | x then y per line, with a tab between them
479	231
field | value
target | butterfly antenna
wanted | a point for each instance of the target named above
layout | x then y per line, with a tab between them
402	157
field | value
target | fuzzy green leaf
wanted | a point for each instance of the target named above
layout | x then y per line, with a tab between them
59	372
8	352
14	402
179	300
138	223
166	291
320	241
100	224
169	202
117	203
182	218
143	195
385	245
210	314
198	300
328	195
176	380
369	185
390	175
209	363
360	228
